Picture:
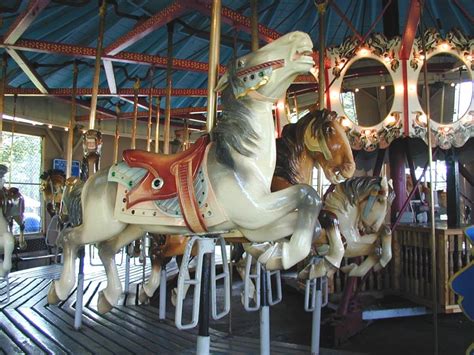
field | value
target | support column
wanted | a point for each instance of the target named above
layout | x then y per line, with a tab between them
254	24
136	86
117	133
453	191
72	120
157	127
150	111
397	173
95	84
3	84
214	48
166	134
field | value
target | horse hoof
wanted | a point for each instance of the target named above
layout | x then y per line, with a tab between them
103	306
272	258
53	297
142	296
258	249
22	245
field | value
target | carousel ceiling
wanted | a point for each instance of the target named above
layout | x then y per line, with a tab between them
43	37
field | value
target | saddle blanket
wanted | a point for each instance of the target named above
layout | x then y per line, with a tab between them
166	211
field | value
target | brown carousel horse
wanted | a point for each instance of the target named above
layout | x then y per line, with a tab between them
317	139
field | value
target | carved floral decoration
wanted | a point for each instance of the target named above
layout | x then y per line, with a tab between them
371	138
377	43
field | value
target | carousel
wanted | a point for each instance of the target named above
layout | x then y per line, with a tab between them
236	177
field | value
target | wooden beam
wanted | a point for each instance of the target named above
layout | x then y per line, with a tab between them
466	174
144	28
413	19
122	57
346	20
10	91
24	65
24	20
109	74
239	21
55	141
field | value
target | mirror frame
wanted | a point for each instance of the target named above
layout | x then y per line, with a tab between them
385	51
444	135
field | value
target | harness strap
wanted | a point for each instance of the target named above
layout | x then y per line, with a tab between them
187	198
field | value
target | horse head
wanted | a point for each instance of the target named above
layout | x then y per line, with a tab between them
51	185
266	73
327	143
374	207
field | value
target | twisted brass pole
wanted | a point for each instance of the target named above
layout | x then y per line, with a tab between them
136	86
213	64
72	120
166	135
3	84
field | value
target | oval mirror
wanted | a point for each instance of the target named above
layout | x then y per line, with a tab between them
450	88
367	92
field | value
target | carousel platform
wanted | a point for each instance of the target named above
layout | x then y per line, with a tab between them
29	325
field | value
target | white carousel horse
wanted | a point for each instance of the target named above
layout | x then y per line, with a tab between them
296	159
7	241
353	219
237	169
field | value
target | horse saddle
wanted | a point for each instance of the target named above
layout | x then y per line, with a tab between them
167	176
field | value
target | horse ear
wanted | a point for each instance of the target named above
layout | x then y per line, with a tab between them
223	82
390	183
384	184
312	142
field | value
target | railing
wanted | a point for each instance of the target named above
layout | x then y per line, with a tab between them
409	272
413	264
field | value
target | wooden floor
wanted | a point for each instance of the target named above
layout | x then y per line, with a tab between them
29	325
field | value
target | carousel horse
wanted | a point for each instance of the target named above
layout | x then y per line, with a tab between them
298	153
7	241
221	183
52	184
353	219
13	207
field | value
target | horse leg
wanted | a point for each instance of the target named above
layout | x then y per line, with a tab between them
8	246
109	296
147	289
364	267
21	239
386	247
276	219
60	289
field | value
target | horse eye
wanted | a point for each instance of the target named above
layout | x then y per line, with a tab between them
240	63
329	130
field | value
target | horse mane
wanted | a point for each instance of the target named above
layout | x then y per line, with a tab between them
48	173
291	144
350	192
233	130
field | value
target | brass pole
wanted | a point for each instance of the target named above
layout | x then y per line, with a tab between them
150	112
136	86
322	50
117	133
441	120
95	85
254	24
321	74
72	121
166	135
186	135
214	45
157	127
434	276
3	84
